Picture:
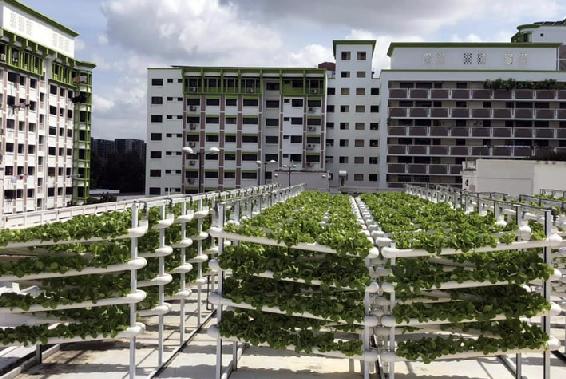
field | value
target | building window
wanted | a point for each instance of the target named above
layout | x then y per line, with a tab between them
360	108
212	102
343	143
230	138
343	159
330	125
361	74
229	175
297	103
231	102
344	126
296	121
373	143
331	91
330	108
373	177
156	154
468	58
359	160
373	160
482	58
344	91
230	120
358	177
375	91
155	173
271	122
360	126
211	174
271	139
374	108
345	56
156	118
361	55
156	137
344	74
272	104
250	120
250	102
249	175
156	82
344	108
360	91
359	143
296	139
154	191
156	100
508	58
373	126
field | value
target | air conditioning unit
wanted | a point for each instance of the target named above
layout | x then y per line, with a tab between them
311	128
193	108
3	57
311	109
310	146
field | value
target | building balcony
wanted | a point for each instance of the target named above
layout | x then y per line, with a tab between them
475	94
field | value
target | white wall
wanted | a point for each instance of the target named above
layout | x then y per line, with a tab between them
312	180
25	25
547	34
516	177
493	58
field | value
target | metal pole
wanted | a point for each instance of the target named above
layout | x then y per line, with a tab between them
133	287
289	177
161	289
221	215
182	289
546	291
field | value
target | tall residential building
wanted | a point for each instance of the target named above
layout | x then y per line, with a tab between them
444	103
45	112
352	110
130	145
233	117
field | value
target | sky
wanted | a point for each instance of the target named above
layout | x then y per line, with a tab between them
124	37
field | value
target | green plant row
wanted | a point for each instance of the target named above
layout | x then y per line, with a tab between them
247	259
480	304
63	258
414	223
280	331
58	291
299	220
292	297
106	321
512	335
411	276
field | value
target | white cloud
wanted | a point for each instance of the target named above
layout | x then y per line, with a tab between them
79	44
102	39
102	104
178	29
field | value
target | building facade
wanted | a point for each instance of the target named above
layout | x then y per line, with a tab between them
445	103
45	113
245	125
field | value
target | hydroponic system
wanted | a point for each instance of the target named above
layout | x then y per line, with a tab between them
425	275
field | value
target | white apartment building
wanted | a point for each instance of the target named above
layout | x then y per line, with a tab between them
45	108
244	125
445	103
352	125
